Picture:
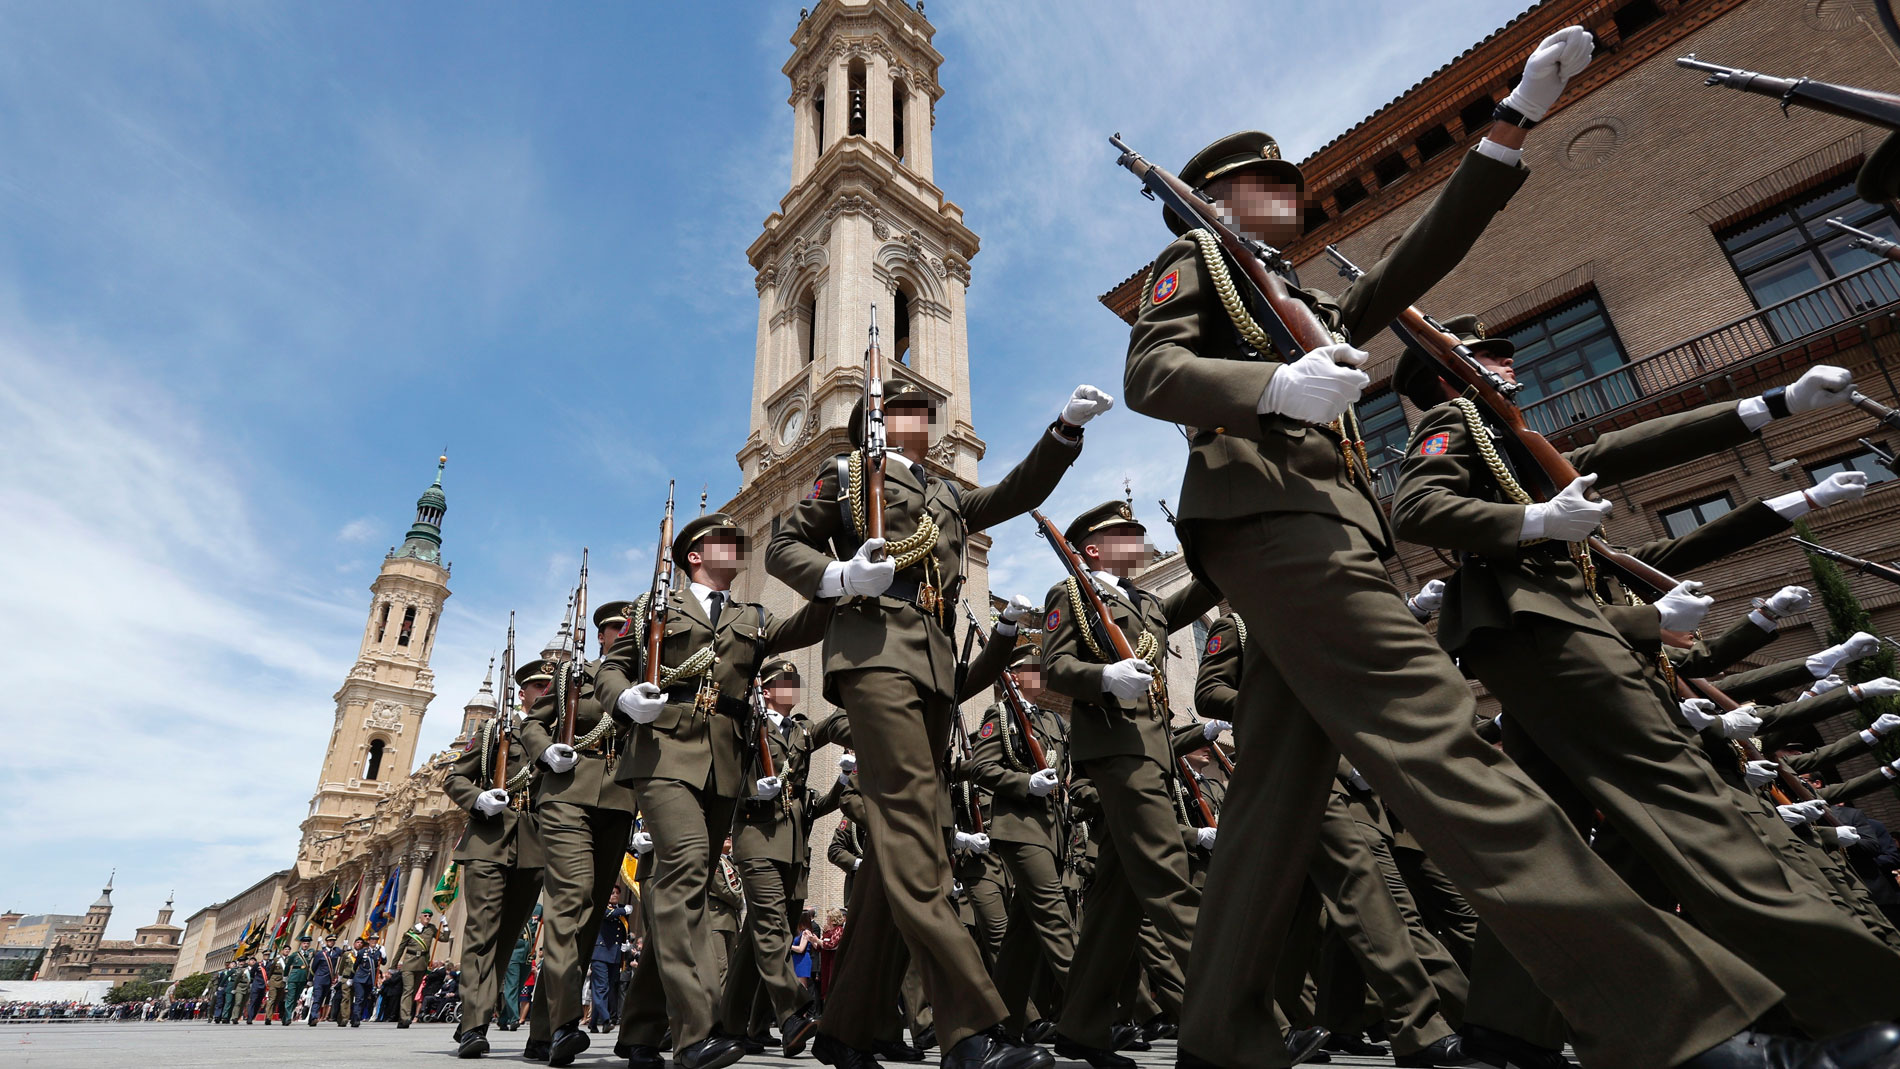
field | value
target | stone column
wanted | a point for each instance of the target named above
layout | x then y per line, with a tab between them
917	133
412	895
877	102
837	101
804	150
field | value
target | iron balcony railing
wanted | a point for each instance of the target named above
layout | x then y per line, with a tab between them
1844	301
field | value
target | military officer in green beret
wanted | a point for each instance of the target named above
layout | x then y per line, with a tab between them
1029	830
890	665
1121	740
1523	615
771	847
415	955
584	815
500	858
684	757
297	969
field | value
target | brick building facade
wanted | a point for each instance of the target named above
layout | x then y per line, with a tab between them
1668	250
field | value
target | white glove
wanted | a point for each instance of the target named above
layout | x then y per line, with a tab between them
1557	59
847	764
641	703
767	789
642	843
1085	404
1427	600
865	577
1740	724
1317	387
1846	836
976	844
1884	687
1128	679
1698	713
1204	838
1799	813
418	926
559	757
1789	600
1838	487
491	801
1859	644
1043	782
856	863
1886	724
1567	517
1212	729
1683	608
1760	774
1015	610
1358	781
1818	387
1822	686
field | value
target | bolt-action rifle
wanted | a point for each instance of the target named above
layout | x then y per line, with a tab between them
1873	243
569	679
1866	567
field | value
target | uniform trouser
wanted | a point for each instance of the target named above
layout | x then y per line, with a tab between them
274	1001
989	905
583	846
1039	930
498	900
724	938
253	1002
1383	692
1443	911
764	954
1583	701
899	730
602	978
1142	872
411	982
745	1003
319	997
511	983
885	985
1368	921
342	1005
293	990
365	995
1447	976
1135	998
689	826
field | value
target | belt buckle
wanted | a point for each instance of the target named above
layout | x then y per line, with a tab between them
927	599
708	698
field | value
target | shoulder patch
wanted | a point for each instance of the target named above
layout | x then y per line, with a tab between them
1167	286
817	487
1049	622
1213	644
988	729
1435	445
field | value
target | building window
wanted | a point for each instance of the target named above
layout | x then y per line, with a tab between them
818	121
382	622
854	79
1573	348
374	764
1788	250
1349	194
900	328
900	103
1382	424
1682	519
1200	639
1863	461
807	327
408	625
1390	169
1635	15
1433	141
1476	116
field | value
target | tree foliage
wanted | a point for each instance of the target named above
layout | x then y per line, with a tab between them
1846	615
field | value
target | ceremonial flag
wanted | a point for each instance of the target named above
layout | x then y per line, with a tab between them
282	934
325	913
387	904
347	908
447	888
629	867
246	938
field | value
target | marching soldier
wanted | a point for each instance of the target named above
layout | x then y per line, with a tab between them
847	850
728	905
1523	615
321	978
255	997
412	960
682	757
889	664
500	858
342	964
274	990
298	966
583	815
363	980
770	849
1122	742
1029	833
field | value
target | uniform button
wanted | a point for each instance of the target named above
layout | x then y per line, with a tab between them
1220	430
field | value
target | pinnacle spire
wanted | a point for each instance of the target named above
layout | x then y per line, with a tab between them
424	541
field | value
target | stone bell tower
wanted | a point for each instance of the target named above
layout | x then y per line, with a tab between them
379	707
863	224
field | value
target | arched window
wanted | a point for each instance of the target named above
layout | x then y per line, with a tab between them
428	635
818	122
900	327
900	102
374	764
408	625
807	327
382	622
855	79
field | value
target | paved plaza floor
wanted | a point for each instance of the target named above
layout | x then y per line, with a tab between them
187	1045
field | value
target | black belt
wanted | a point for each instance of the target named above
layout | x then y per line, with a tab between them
689	693
911	590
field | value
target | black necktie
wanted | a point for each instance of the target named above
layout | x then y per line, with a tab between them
715	606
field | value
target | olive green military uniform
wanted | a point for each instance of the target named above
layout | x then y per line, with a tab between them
770	845
501	862
274	991
889	663
983	903
583	817
688	772
847	850
726	905
415	951
296	978
1275	516
1762	684
1522	619
1030	835
1126	750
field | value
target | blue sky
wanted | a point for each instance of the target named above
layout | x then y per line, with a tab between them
260	262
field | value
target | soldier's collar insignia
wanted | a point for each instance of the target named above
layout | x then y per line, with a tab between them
1435	445
1167	286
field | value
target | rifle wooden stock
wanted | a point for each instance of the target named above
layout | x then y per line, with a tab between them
1789	786
874	455
1092	598
505	720
1859	564
1195	794
656	595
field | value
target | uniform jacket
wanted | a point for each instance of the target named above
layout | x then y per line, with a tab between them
1187	365
589	782
366	961
1762	684
1101	725
889	632
779	829
1864	784
1729	533
847	843
1848	745
1874	858
1709	657
1003	766
299	963
1447	499
509	837
688	743
1217	684
321	967
414	949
